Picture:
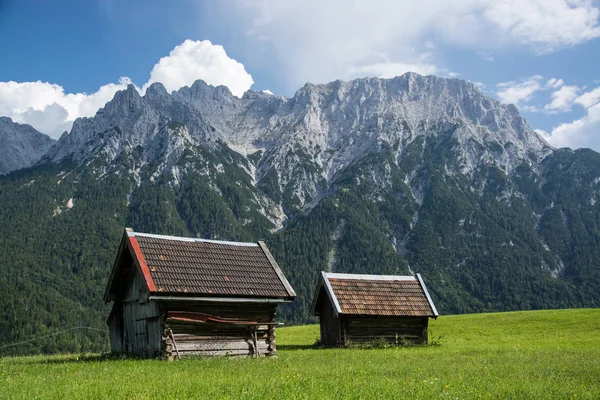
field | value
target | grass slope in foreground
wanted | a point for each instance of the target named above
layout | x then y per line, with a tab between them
517	355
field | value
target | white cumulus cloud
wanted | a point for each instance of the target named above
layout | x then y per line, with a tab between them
193	60
520	93
321	41
554	83
517	92
582	132
562	99
50	110
546	25
590	98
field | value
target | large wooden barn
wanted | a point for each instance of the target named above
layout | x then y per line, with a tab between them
174	297
363	308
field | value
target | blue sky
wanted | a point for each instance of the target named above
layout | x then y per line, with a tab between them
65	59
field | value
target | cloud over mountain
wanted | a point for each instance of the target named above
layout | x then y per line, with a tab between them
193	60
48	108
582	132
321	41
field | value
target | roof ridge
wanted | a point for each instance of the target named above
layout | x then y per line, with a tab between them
336	275
190	240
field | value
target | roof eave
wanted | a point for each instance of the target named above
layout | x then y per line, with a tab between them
282	278
217	299
332	297
107	298
315	299
140	261
435	311
388	316
129	241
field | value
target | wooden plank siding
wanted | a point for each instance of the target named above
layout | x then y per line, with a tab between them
330	326
115	328
258	312
138	327
219	343
219	339
134	326
361	329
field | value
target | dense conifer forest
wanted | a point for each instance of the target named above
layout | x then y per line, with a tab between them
477	250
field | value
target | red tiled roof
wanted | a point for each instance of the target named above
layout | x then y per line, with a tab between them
174	265
379	295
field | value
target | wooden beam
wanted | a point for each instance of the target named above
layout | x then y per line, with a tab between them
221	299
174	344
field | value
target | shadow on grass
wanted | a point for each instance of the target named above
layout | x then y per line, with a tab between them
70	359
291	347
359	346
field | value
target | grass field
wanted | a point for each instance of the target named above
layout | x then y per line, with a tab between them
519	355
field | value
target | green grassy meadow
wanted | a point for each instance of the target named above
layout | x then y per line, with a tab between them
518	355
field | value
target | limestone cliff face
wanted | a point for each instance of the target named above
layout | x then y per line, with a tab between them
301	143
20	145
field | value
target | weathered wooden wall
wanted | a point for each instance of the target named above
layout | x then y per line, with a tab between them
346	329
361	329
220	339
115	328
259	312
330	325
210	339
138	326
134	327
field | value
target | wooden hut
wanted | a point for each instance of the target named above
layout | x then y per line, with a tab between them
363	308
174	297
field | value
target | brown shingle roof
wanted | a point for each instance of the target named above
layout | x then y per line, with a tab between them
379	295
175	265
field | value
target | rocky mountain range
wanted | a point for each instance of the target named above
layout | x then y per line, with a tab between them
410	174
21	145
303	142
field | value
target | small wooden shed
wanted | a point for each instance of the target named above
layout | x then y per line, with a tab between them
361	308
174	297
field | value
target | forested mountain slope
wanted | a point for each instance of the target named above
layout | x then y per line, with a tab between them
411	174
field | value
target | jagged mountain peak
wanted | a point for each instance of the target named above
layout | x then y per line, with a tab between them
156	89
21	145
307	139
407	83
8	122
157	95
125	102
202	90
253	95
